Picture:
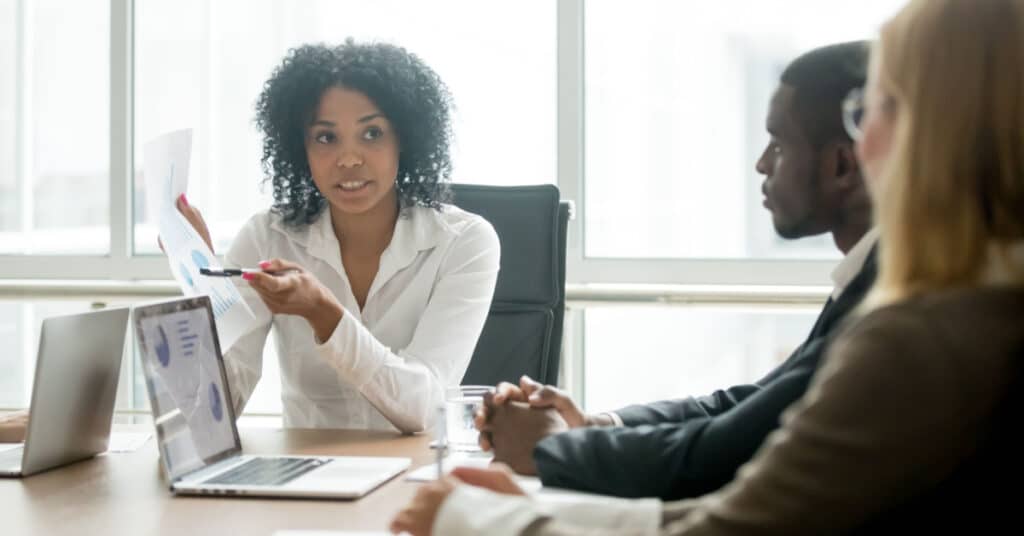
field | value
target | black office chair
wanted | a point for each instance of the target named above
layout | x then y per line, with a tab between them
523	332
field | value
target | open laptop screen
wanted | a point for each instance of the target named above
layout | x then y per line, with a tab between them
188	391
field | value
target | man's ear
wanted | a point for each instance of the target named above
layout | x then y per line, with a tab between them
839	164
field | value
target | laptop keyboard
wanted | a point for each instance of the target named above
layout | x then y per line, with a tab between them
267	471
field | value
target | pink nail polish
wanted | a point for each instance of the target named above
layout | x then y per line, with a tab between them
247	276
184	201
264	264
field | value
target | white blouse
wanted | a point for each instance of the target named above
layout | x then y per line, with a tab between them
385	366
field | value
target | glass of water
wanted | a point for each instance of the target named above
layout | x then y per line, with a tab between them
461	403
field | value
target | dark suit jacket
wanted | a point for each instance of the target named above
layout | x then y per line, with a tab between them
684	448
910	426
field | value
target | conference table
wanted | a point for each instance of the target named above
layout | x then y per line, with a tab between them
124	493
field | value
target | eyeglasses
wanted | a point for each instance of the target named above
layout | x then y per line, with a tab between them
853	112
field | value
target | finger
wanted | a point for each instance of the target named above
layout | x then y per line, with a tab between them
548	397
482	421
484	440
489	402
485	411
529	385
483	477
195	218
191	213
401	523
493	479
279	265
507	391
500	466
265	283
480	417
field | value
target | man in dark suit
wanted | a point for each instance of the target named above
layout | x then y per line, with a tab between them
684	448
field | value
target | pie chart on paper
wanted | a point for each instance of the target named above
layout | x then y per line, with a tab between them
163	350
216	408
187	276
200	260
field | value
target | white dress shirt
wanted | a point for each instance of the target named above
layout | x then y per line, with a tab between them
848	268
386	365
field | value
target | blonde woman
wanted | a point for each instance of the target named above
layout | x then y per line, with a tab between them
903	427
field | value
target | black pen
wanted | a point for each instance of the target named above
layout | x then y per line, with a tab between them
237	272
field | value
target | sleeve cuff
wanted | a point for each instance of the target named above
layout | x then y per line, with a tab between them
642	516
616	420
472	510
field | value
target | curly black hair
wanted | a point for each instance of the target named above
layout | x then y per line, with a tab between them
408	92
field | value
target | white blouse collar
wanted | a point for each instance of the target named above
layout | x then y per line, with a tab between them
417	229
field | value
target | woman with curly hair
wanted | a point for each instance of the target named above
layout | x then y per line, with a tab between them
376	288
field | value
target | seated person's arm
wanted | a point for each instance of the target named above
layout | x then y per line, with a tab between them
12	426
683	409
671	460
804	358
488	501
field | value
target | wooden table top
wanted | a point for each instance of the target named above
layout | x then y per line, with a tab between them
124	493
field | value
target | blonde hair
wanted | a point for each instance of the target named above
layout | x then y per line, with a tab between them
954	184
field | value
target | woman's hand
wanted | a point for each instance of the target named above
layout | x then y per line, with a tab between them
497	478
195	218
289	289
418	517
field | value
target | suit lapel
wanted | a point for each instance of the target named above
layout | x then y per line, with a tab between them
853	294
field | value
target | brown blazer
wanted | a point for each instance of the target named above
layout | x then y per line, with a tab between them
907	425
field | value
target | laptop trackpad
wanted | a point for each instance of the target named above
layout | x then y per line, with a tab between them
353	472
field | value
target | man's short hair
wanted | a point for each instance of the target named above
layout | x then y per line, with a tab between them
821	79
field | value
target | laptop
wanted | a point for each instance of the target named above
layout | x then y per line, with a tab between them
73	392
195	420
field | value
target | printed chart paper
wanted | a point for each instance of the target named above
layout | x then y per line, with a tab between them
165	166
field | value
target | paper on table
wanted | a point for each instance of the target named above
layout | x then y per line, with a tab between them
165	167
9	446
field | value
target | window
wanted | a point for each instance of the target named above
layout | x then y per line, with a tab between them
200	65
639	354
676	96
54	127
20	324
648	114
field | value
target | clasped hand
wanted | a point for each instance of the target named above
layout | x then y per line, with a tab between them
516	418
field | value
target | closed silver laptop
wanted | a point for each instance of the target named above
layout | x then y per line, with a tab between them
73	391
195	420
